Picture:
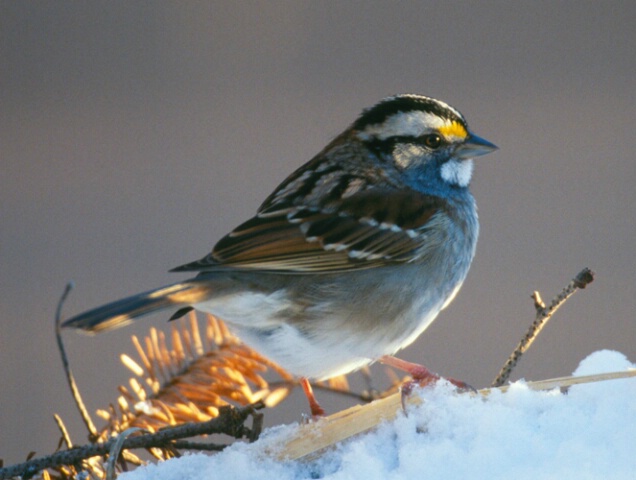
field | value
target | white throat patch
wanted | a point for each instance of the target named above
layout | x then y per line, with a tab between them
457	172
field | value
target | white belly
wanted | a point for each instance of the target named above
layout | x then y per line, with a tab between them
327	349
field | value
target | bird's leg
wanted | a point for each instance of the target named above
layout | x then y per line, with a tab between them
422	376
316	409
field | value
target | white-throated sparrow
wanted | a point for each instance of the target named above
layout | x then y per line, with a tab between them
351	257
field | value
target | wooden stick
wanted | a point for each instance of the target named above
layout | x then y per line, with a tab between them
311	440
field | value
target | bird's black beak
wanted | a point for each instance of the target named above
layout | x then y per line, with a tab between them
474	146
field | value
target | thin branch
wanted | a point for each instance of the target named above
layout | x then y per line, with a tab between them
204	447
543	315
67	369
230	422
363	396
115	450
65	436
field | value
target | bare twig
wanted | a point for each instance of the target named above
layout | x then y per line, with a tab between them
67	369
230	422
543	315
65	436
366	396
205	447
116	449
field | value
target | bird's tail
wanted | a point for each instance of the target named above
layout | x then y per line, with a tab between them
121	312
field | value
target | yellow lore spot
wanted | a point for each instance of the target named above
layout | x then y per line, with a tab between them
453	129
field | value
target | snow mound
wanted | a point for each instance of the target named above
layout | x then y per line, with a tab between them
588	433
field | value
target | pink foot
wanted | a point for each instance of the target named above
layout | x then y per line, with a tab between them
316	410
422	376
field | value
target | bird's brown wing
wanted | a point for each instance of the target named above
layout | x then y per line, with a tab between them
369	229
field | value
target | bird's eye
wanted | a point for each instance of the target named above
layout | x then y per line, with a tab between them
433	141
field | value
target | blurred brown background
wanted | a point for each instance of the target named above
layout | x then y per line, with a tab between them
134	135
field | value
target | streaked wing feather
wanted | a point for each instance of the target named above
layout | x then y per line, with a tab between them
369	229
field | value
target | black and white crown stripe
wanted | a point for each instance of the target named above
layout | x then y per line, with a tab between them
405	116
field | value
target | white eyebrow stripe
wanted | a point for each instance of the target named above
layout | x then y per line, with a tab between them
408	124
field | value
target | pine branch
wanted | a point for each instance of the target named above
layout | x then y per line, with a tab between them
191	380
230	421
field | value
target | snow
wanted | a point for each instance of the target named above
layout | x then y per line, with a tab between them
588	433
